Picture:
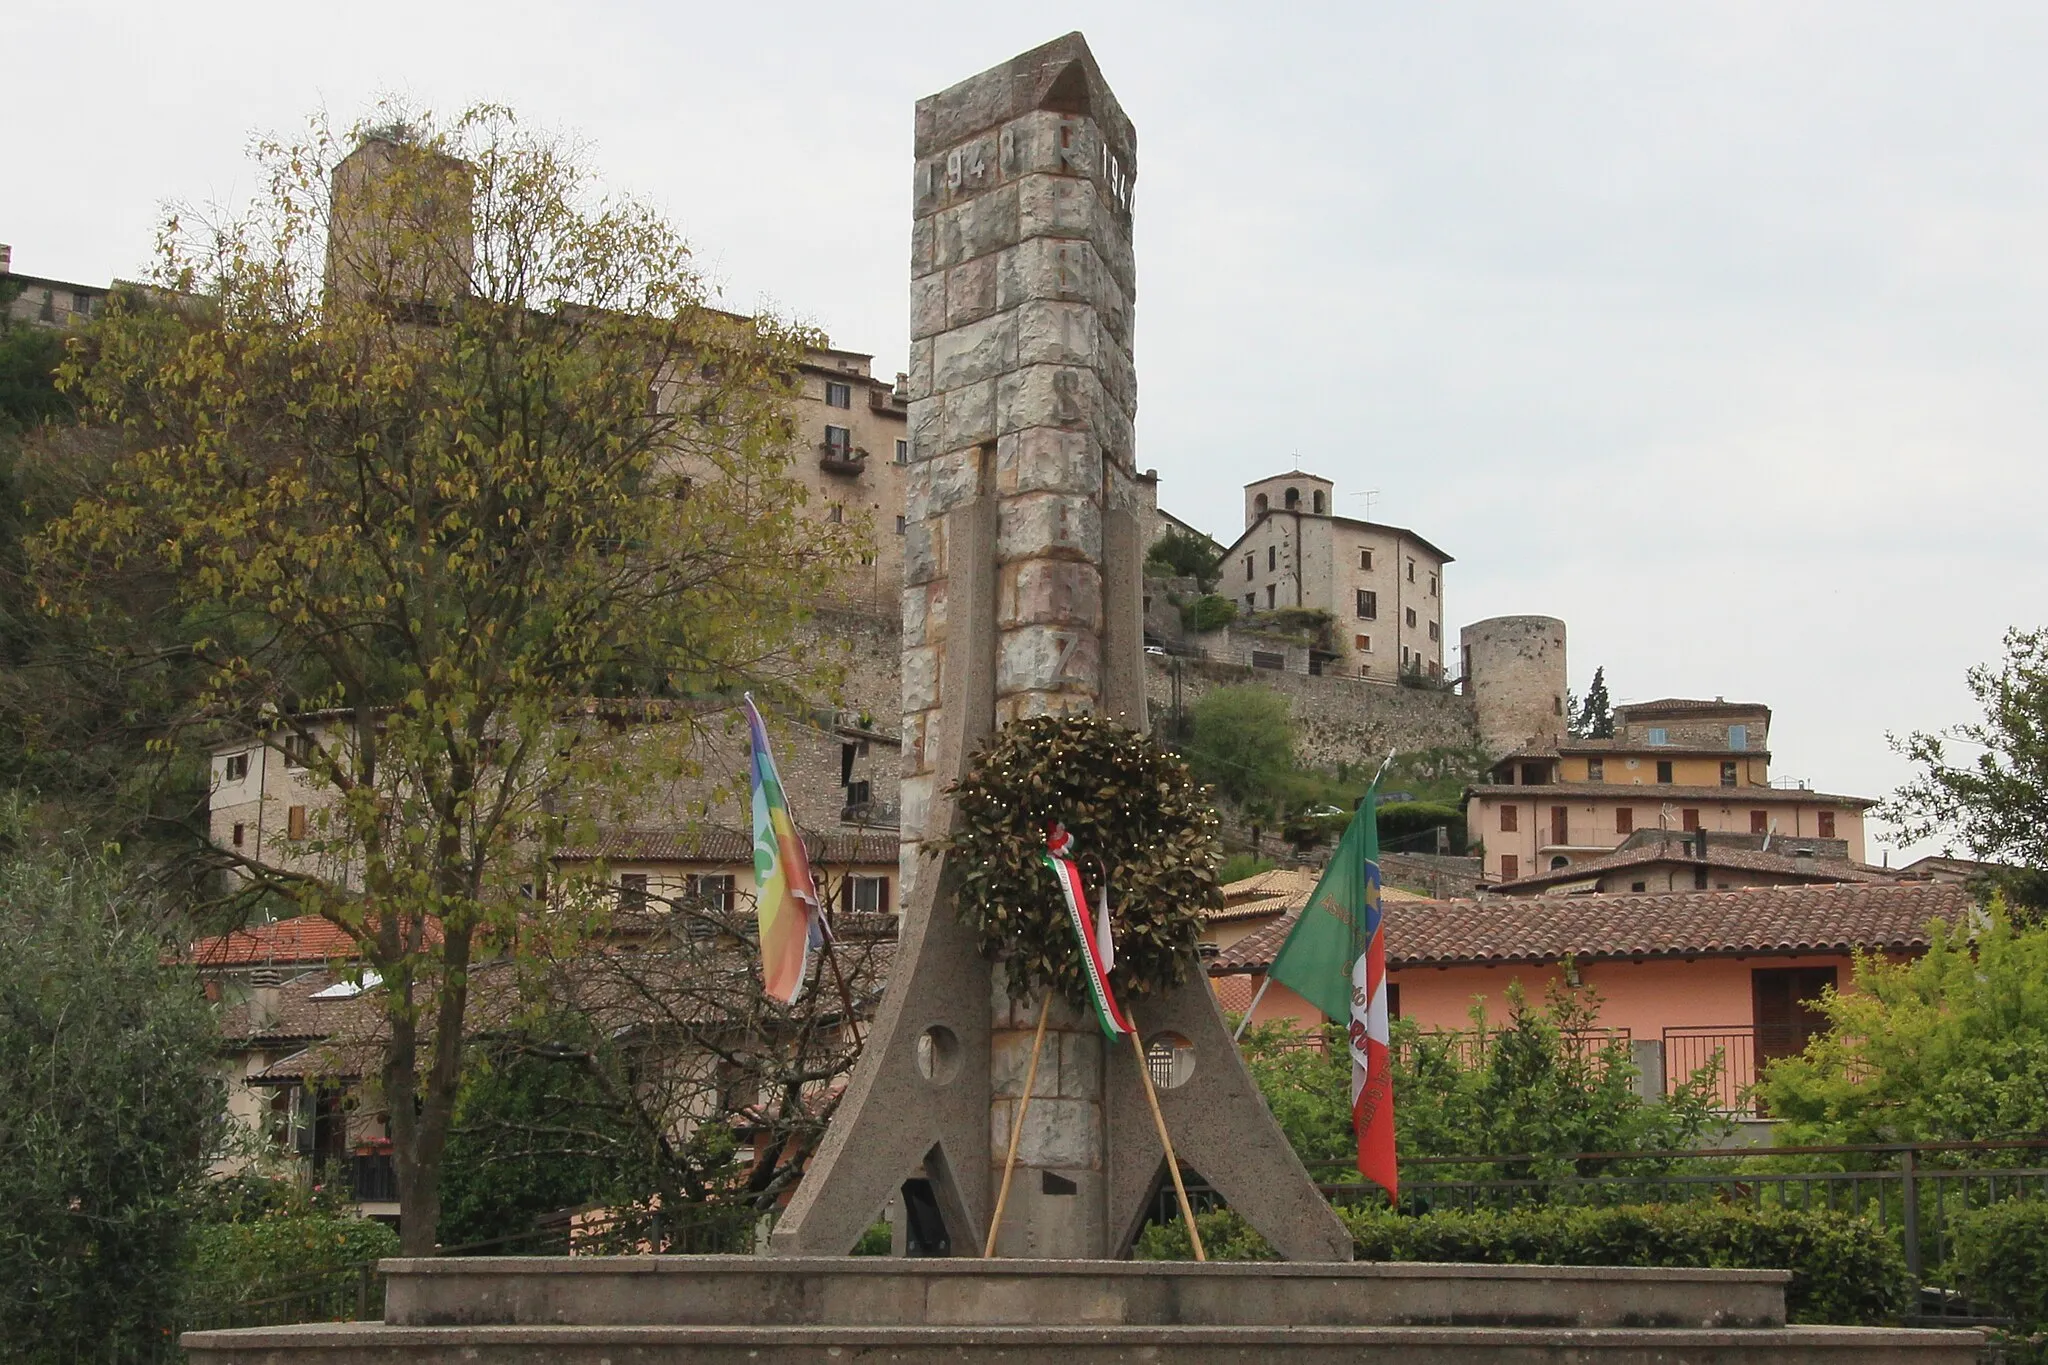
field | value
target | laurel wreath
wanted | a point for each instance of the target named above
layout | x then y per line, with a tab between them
1136	815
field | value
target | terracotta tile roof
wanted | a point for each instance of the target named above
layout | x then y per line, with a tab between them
1757	921
1734	859
1653	793
288	1011
1689	706
1278	890
305	938
713	844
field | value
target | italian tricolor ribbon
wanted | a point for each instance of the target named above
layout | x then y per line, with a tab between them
1098	952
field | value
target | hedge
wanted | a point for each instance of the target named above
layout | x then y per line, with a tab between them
280	1253
1844	1270
2000	1260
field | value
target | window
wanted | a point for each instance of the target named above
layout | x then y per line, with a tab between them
1411	618
1560	824
1825	826
1432	630
1365	559
632	891
1272	557
1535	774
1365	670
238	835
81	302
712	891
1659	735
1510	819
1689	818
1510	867
1663	770
1259	504
860	793
1738	736
839	440
1784	1017
1251	601
236	768
1250	567
1436	670
1728	774
1624	820
295	822
1432	585
297	749
838	395
1293	498
1404	656
1596	770
837	514
1363	643
902	526
1560	861
1411	571
865	895
1759	822
1267	659
1639	886
903	452
1368	605
1270	590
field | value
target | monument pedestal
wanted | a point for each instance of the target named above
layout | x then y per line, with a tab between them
740	1310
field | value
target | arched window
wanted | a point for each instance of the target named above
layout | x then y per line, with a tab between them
1259	503
1558	861
1319	500
1293	498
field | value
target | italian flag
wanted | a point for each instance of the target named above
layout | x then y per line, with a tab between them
1098	951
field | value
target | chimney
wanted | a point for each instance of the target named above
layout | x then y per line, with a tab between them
1699	842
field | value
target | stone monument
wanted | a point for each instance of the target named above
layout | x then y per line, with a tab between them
1023	596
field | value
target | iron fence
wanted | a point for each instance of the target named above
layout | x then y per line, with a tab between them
1730	1049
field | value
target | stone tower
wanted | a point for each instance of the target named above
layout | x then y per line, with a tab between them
1515	674
1023	596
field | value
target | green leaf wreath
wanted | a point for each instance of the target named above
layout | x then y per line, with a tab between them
1134	812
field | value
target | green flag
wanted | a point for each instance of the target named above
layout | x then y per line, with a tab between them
1315	962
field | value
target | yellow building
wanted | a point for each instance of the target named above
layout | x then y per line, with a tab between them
1675	764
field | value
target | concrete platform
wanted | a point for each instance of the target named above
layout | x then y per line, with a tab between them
730	1310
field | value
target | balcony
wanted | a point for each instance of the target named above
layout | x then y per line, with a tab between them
839	459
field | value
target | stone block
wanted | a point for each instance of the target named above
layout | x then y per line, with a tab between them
974	352
1047	460
917	613
1059	1133
1048	396
980	226
1046	268
960	111
1048	659
920	373
1081	1065
1051	206
971	290
969	418
936	486
1054	592
1044	702
928	305
1055	525
1010	1059
1050	333
924	550
924	237
921	678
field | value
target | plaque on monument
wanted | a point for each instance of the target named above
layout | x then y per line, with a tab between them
1023	597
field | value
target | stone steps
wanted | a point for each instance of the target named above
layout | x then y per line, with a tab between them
379	1344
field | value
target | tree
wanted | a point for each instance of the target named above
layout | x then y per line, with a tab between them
1243	746
1995	798
474	504
1952	1045
1593	716
1182	554
108	1104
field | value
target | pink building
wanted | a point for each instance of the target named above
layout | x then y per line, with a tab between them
1683	975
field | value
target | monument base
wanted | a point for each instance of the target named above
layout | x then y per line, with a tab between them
809	1311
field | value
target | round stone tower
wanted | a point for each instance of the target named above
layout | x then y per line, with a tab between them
1514	673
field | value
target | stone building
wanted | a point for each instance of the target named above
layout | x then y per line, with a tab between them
1514	672
48	303
851	450
1382	586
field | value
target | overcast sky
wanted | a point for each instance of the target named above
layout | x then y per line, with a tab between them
1716	330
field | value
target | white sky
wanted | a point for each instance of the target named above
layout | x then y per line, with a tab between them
1716	330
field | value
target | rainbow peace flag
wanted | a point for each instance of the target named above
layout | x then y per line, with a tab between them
786	899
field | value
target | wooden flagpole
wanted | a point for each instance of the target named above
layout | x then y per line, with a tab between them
1180	1190
995	1222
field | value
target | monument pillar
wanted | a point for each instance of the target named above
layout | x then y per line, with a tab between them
1023	597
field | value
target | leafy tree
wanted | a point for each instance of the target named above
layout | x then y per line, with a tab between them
1181	554
1951	1045
1994	798
1545	1085
1208	612
1243	746
1593	716
108	1106
1238	866
450	483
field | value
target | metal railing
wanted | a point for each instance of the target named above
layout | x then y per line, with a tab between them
1730	1048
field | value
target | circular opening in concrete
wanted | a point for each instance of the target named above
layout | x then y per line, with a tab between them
938	1054
1171	1059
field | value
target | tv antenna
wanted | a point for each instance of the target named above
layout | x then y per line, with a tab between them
1369	494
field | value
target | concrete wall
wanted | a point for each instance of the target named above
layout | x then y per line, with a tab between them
1515	670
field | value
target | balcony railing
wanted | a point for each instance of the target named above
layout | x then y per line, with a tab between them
373	1179
838	459
1687	1048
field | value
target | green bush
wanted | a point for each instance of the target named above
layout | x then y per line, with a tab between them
1404	819
1238	866
1844	1270
280	1252
1208	613
2001	1260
